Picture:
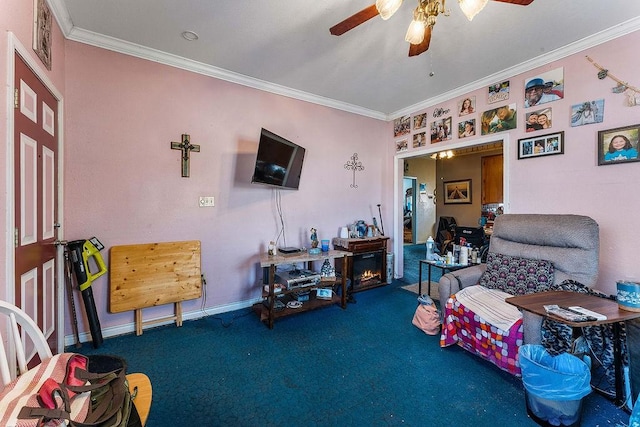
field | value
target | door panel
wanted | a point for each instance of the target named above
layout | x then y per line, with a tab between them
35	196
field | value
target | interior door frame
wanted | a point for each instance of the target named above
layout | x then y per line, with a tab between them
16	47
414	190
398	192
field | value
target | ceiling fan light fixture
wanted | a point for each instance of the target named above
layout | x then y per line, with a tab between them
471	8
415	32
387	8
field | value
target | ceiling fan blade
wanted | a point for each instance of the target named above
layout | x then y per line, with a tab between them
519	2
417	49
354	20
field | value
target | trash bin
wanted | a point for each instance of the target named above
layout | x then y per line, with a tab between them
554	385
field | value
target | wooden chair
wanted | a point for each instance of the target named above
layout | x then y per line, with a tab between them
20	328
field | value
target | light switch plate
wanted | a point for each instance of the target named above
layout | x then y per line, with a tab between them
206	201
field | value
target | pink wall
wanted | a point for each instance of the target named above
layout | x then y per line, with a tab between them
17	18
572	182
123	181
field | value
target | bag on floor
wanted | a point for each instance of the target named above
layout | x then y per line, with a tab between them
426	317
104	377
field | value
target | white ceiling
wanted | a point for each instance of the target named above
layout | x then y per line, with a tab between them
284	46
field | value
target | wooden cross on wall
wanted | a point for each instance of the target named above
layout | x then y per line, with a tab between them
186	148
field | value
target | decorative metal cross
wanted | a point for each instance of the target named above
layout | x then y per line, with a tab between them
355	166
186	147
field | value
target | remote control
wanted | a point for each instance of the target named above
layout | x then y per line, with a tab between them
563	313
587	312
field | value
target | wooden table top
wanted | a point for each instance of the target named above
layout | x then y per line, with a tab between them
535	303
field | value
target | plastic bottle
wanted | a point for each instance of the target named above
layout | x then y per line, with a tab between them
430	249
464	256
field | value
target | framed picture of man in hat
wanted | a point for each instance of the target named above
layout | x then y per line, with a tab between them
546	87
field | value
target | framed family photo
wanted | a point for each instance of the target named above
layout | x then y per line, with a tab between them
401	126
420	121
619	145
457	192
467	106
543	145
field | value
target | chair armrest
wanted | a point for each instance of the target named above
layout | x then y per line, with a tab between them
449	285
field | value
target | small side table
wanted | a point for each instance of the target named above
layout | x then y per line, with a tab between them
442	266
535	303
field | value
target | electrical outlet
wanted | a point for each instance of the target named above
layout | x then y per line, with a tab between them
206	202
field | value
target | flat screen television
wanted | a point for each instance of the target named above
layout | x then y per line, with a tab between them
279	161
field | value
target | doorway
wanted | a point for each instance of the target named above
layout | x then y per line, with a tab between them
433	193
408	210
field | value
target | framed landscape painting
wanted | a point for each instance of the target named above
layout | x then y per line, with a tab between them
457	192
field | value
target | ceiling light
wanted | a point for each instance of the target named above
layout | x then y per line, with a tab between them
386	8
470	8
415	32
189	35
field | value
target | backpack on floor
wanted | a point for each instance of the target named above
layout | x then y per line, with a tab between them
426	317
104	377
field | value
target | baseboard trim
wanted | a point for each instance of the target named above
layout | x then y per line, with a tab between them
85	337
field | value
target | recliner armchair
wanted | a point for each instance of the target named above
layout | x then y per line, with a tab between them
569	242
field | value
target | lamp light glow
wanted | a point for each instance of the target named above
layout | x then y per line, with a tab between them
471	8
387	8
415	32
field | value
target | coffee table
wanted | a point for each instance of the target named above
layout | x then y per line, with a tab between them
535	303
444	267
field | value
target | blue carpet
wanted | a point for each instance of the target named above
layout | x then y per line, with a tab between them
363	366
412	255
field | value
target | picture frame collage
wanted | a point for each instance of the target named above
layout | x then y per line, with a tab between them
540	91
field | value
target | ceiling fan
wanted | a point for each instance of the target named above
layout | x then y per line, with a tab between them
424	18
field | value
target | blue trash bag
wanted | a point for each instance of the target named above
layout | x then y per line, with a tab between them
634	419
554	385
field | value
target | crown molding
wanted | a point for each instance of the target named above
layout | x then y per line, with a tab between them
596	39
71	32
138	51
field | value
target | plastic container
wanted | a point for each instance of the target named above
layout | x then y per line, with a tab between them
554	386
389	267
430	249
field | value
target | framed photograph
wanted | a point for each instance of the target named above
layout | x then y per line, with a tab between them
546	87
538	120
499	119
402	145
419	139
543	145
498	92
457	192
420	121
467	106
587	112
441	130
401	126
467	128
42	31
619	145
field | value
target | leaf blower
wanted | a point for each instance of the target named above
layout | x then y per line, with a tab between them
80	252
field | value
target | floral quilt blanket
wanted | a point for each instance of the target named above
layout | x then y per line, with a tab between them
473	333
